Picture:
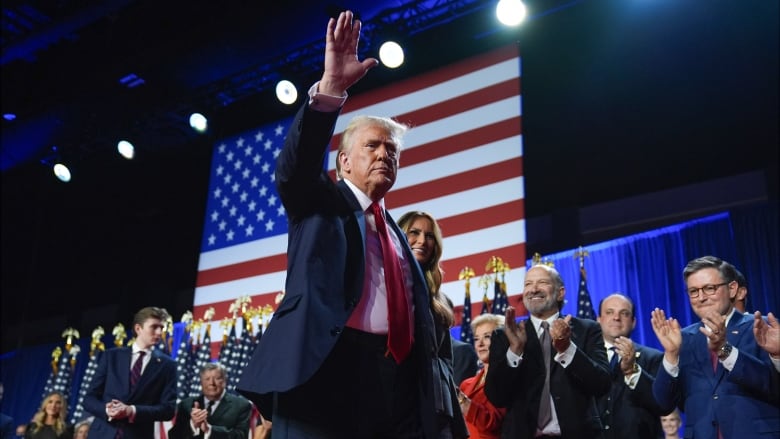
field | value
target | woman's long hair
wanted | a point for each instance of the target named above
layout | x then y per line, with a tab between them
432	270
39	418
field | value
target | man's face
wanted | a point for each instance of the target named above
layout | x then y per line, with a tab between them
212	383
721	301
148	334
616	318
371	162
540	296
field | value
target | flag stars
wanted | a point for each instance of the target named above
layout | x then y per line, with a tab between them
235	188
272	200
280	211
241	220
214	216
246	173
260	215
238	164
243	196
265	168
222	226
229	156
220	169
269	225
212	239
267	145
250	230
225	202
254	182
240	142
221	148
217	193
251	206
263	191
277	151
259	136
233	211
256	159
227	178
279	130
248	150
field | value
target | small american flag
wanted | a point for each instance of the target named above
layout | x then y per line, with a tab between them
584	304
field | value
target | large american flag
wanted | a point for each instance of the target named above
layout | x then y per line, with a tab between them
462	162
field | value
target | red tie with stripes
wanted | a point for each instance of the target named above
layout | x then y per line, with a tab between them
135	372
399	331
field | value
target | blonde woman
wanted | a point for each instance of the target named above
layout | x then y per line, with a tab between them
49	421
483	419
670	424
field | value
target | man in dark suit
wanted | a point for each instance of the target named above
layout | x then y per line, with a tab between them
334	362
628	409
215	412
714	369
133	386
578	370
465	362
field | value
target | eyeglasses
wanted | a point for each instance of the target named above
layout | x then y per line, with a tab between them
708	290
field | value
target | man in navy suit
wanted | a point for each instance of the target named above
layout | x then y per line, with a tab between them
215	413
713	369
326	366
130	411
578	369
628	410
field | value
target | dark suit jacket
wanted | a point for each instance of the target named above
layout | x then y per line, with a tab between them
325	268
573	388
627	413
465	360
7	427
229	421
154	397
743	402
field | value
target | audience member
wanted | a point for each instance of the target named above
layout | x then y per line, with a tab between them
263	428
483	419
714	368
425	239
350	337
50	421
215	412
740	303
133	386
767	334
553	397
81	431
670	424
628	410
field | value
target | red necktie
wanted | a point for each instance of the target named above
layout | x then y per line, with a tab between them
135	372
399	332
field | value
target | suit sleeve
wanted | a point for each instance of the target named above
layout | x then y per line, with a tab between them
165	408
181	426
501	379
239	429
590	368
642	394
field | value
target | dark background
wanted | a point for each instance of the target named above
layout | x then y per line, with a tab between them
621	99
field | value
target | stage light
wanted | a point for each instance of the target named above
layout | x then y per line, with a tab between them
62	172
510	12
198	122
9	116
126	149
286	92
391	54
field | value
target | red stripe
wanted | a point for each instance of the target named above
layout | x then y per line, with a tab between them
513	255
241	270
480	219
429	79
456	183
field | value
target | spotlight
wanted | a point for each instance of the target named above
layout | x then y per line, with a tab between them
391	54
62	172
198	122
126	149
286	92
510	12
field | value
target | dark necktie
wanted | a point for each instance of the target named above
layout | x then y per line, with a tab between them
613	362
135	372
399	331
210	407
545	411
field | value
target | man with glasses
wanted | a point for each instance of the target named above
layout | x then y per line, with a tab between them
713	369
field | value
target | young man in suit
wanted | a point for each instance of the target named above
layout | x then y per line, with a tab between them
215	413
133	387
714	368
553	396
350	350
628	409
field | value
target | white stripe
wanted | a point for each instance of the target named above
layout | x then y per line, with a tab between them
250	286
247	251
483	240
454	125
439	92
463	161
468	200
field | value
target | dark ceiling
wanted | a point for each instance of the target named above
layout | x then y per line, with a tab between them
620	98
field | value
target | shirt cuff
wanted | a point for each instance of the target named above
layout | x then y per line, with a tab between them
195	430
131	418
671	369
325	103
729	362
632	379
776	362
513	359
566	357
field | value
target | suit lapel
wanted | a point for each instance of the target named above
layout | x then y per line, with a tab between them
152	368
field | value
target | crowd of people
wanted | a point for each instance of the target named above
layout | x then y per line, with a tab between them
360	346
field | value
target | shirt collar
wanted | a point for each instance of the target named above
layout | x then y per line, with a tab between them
537	322
363	199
